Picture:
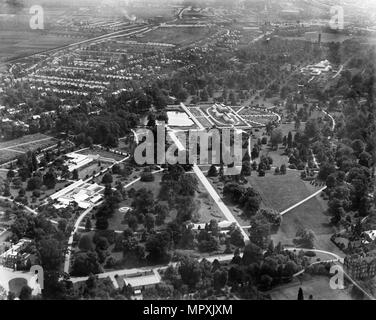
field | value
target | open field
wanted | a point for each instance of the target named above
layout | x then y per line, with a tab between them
177	36
317	286
17	44
281	191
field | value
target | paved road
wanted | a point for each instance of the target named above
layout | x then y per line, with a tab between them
70	240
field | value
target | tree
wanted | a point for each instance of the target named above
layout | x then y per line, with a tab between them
22	192
365	159
306	238
300	294
34	183
255	152
220	278
331	181
326	169
204	96
336	210
102	223
312	129
161	211
75	174
233	191
107	178
251	205
272	216
132	223
149	222
85	264
259	231
88	225
86	244
10	174
236	238
190	271
252	254
6	192
289	140
246	169
358	147
186	208
188	185
276	138
50	252
213	172
158	247
25	293
49	179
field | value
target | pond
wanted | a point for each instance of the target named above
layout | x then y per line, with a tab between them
179	119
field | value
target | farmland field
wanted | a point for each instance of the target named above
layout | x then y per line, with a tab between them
9	150
16	44
178	36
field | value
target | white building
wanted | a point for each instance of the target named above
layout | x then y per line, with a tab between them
79	192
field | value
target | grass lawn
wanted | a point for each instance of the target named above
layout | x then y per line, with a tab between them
16	284
317	286
281	191
310	215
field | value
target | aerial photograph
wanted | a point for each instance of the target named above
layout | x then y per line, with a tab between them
187	150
